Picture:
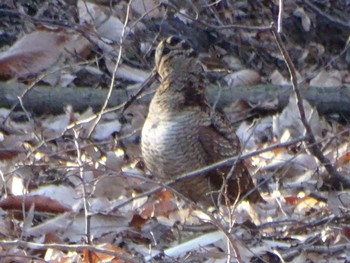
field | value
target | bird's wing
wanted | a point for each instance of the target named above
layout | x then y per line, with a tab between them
220	142
219	139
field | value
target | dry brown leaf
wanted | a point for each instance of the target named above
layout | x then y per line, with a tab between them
277	78
39	51
130	73
306	204
138	221
107	25
339	203
305	20
143	7
343	159
42	204
161	205
244	77
32	54
291	199
6	154
103	257
346	232
51	237
327	79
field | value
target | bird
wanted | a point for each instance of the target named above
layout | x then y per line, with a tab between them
183	132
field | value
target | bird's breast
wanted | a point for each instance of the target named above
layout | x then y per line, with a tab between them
170	145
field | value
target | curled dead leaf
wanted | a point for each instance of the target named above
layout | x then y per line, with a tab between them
106	257
42	204
305	19
325	79
161	205
38	51
244	77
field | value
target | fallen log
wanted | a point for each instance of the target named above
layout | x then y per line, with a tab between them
52	100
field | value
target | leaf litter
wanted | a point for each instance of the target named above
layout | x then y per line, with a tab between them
49	167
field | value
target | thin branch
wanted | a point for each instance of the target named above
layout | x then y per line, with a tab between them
312	143
232	26
185	176
326	16
84	188
149	81
280	14
325	250
111	86
61	247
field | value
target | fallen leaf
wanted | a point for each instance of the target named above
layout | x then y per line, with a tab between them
39	51
326	79
107	25
104	257
42	204
148	8
6	154
305	19
306	204
277	78
161	204
244	77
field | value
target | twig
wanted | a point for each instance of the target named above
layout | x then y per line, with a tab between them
79	248
84	188
232	240
185	176
345	50
326	16
144	85
327	249
60	23
280	13
212	219
232	26
312	143
111	86
22	95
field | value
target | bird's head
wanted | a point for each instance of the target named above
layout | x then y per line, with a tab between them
173	53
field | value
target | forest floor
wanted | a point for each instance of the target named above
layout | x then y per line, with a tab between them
73	184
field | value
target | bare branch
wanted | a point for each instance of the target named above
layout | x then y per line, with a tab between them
312	143
228	161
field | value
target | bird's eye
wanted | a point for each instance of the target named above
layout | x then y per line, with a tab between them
185	45
193	54
174	40
165	51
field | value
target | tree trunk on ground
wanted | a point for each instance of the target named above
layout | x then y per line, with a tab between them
47	100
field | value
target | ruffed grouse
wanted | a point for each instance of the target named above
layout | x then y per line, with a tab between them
183	133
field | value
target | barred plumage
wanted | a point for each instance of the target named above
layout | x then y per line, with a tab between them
183	133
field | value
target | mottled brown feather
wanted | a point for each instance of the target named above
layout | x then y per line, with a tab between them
183	133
